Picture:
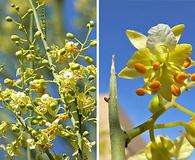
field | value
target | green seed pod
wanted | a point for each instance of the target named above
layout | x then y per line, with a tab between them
91	77
92	89
8	82
74	66
30	11
88	59
37	35
15	38
93	43
8	19
70	35
91	24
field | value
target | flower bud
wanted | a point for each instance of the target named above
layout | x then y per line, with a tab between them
74	66
140	68
15	38
187	62
37	35
91	77
154	105
30	57
8	19
156	66
13	5
8	82
192	78
85	133
45	61
31	47
88	59
20	27
70	35
15	129
91	24
48	49
30	11
175	90
155	84
17	8
181	77
19	53
93	43
92	89
34	122
140	91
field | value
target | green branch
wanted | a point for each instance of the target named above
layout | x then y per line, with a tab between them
117	135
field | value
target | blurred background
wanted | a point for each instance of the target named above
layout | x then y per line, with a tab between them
140	15
61	16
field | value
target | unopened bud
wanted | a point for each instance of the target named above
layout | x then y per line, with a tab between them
155	85
30	11
91	24
17	8
93	43
8	81
92	89
19	53
156	66
192	78
70	35
8	19
140	68
74	66
20	28
45	61
91	77
15	129
140	91
37	35
187	62
15	38
88	59
175	90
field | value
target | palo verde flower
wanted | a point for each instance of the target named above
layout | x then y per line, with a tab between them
160	60
162	149
190	131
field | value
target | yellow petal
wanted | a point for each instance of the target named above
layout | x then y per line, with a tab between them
142	56
177	30
129	73
181	52
137	39
166	82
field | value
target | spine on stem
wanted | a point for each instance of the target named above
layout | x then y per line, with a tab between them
117	136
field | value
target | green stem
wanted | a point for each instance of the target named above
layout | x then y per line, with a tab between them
117	136
183	109
59	20
168	125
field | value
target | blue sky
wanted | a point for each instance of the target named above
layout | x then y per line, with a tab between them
141	15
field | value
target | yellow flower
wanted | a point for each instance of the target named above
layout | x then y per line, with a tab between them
162	149
159	58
